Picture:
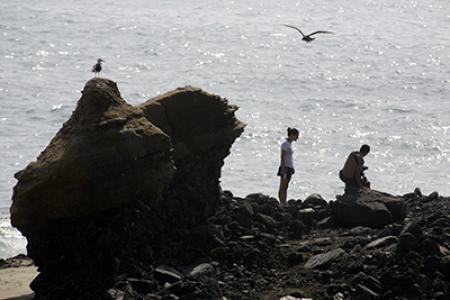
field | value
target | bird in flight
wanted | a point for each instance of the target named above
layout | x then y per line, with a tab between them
97	67
307	38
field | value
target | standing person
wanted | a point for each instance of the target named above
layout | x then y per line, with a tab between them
286	168
352	174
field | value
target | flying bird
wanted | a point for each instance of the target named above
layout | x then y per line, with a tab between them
307	38
97	67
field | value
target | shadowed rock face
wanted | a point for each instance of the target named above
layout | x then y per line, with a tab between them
202	127
371	208
119	187
106	155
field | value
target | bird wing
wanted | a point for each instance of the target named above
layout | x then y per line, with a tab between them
320	31
293	27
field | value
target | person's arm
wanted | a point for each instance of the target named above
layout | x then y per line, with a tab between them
357	176
283	155
358	171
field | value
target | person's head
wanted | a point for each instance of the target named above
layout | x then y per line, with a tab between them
292	134
364	150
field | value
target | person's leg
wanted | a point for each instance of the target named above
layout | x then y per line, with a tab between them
282	193
352	187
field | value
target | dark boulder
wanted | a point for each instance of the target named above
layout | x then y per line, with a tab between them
314	200
323	260
120	186
371	208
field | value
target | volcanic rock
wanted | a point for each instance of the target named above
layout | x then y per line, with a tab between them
119	186
106	155
371	208
324	259
314	200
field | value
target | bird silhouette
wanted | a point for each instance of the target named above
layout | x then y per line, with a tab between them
307	38
97	67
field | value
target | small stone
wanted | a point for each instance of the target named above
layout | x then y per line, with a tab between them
116	294
296	228
382	242
269	223
407	242
418	192
201	270
247	237
164	275
326	223
324	259
314	200
414	229
294	259
441	222
433	196
170	297
385	232
445	266
142	286
430	246
440	296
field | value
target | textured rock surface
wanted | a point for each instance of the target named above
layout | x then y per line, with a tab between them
371	208
114	193
107	154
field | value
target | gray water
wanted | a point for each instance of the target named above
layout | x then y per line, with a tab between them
382	79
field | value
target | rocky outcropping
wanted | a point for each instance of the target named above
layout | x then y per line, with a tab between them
370	208
168	232
106	155
120	187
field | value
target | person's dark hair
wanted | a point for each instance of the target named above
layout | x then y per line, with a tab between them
292	131
364	148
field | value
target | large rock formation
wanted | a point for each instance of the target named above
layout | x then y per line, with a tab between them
113	193
106	155
370	208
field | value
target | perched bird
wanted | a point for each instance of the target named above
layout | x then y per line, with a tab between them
97	67
307	38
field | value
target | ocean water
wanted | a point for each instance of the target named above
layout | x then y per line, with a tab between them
383	78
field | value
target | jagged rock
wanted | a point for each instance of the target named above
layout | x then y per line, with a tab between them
202	270
296	228
244	214
164	274
112	191
324	259
433	196
269	224
414	229
371	208
106	155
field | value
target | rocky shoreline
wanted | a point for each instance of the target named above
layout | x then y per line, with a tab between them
298	252
125	203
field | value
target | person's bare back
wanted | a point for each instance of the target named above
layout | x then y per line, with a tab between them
352	172
352	166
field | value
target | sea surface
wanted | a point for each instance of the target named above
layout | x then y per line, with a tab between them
383	78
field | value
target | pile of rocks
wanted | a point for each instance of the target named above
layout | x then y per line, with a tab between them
300	252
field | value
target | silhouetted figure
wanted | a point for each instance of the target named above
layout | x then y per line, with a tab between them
307	38
352	174
97	67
